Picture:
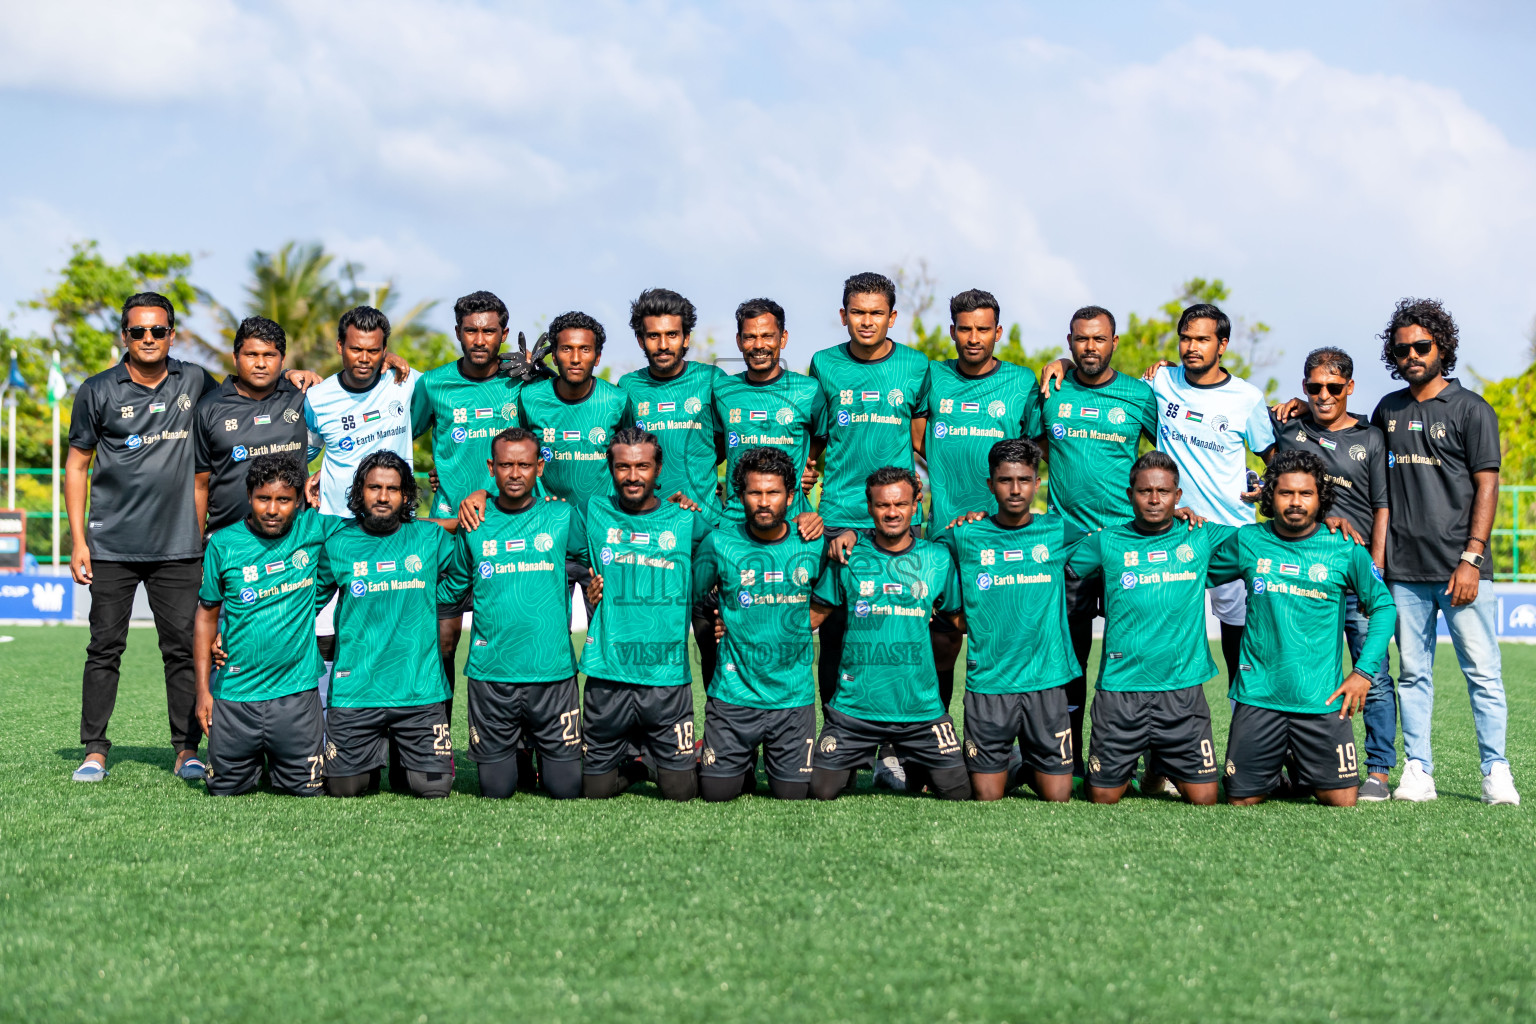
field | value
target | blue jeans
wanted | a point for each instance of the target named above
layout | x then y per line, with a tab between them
1477	651
1381	702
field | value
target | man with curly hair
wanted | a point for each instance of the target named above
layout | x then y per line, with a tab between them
1287	688
1442	486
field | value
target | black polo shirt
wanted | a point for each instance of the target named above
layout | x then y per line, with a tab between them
142	507
1433	448
1355	459
232	429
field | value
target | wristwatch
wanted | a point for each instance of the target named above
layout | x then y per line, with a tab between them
1473	559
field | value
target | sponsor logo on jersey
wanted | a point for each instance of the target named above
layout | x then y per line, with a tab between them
247	595
262	420
1391	459
520	544
459	435
1157	556
358	588
486	570
125	411
231	425
239	453
666	406
1131	558
1127	580
1058	431
988	556
843	419
1194	417
1258	586
248	573
570	435
1357	452
369	417
1290	569
940	430
895	396
461	415
345	444
748	577
1013	555
1317	572
1040	553
546	453
1116	416
745	597
644	409
773	576
156	407
970	407
614	534
1185	553
484	414
359	568
272	567
1415	424
488	547
946	406
984	581
890	588
605	555
861	608
1089	412
784	417
866	588
388	566
299	559
845	396
758	415
732	439
1262	566
1064	410
133	442
543	542
1324	442
597	435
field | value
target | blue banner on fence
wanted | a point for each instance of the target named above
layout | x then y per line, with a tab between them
1517	613
24	596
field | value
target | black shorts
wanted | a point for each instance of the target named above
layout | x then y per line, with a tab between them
732	734
1323	745
357	739
1085	597
506	716
285	733
618	717
849	743
457	609
1038	720
1171	727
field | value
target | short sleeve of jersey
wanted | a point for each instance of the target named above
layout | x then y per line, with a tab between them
1225	564
828	590
421	409
576	538
82	420
1032	422
1146	410
920	403
1481	437
455	582
702	529
202	458
209	592
949	598
1376	452
1259	431
820	415
705	575
1085	560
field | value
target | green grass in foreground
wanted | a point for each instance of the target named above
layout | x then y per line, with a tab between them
142	899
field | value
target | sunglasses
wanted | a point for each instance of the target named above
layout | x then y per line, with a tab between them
1400	351
157	332
1315	388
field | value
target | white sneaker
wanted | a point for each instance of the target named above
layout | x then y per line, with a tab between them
1499	786
1416	784
890	774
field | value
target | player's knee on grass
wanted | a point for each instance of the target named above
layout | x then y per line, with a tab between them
429	785
1201	794
681	786
351	785
562	779
498	779
717	789
952	783
789	790
604	786
1345	797
827	784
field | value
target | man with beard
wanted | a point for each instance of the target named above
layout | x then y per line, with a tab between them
262	708
387	683
521	673
639	684
762	692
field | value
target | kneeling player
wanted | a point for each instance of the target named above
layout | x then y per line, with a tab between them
1013	593
1149	698
1296	574
762	693
263	705
387	682
521	673
639	684
888	688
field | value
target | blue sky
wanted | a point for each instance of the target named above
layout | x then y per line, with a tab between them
1324	159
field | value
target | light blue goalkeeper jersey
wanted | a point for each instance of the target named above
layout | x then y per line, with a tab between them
350	425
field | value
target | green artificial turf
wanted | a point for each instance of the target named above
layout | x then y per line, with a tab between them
142	899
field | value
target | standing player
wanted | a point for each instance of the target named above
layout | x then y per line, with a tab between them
255	412
870	385
521	673
388	683
1150	697
639	684
262	709
464	403
1296	574
968	405
1354	455
761	693
888	689
1013	606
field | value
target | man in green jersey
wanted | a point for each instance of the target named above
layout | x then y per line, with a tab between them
1297	574
521	672
761	693
263	706
1010	568
464	403
639	684
888	690
870	385
1150	697
968	404
387	682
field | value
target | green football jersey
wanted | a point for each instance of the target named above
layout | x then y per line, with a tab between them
386	614
783	413
681	413
463	415
966	417
870	406
639	630
767	654
1093	435
1154	602
886	673
1013	592
573	437
267	589
1293	641
515	565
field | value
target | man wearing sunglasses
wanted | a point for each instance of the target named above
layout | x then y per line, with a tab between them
1354	457
131	449
1443	485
